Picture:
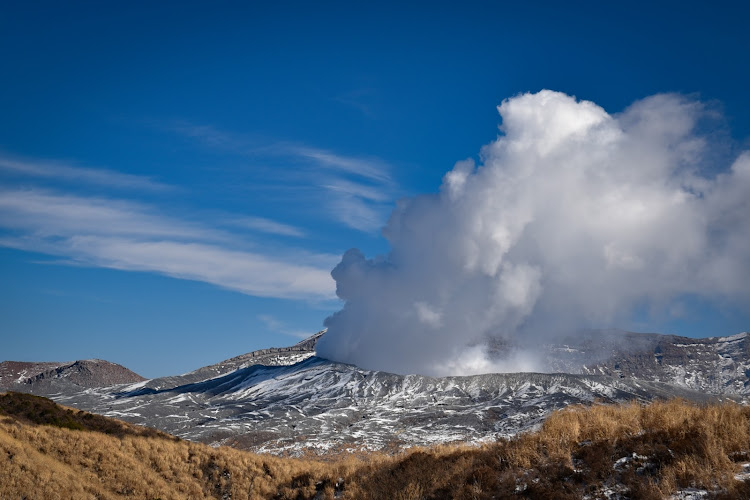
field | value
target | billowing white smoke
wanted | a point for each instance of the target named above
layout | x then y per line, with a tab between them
574	218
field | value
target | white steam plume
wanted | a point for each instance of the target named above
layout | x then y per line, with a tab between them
573	219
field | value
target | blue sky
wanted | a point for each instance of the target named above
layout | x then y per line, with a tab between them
177	179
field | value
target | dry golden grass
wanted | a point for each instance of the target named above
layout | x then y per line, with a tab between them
676	445
60	461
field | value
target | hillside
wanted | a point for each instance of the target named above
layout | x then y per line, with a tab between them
629	451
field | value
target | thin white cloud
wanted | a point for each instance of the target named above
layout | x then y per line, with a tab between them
369	168
356	190
208	135
360	206
359	190
48	213
361	99
246	272
278	326
66	172
267	226
128	236
357	213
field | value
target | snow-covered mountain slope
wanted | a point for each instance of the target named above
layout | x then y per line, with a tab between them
320	404
288	400
717	365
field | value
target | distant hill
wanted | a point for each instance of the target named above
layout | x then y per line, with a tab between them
26	376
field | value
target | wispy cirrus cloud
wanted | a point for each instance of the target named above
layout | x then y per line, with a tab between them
369	168
356	190
247	272
278	326
132	236
357	205
363	166
50	213
266	226
359	190
61	171
363	100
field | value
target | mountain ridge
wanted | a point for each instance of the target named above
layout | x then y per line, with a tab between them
287	400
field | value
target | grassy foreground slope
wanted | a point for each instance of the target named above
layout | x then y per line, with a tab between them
47	452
